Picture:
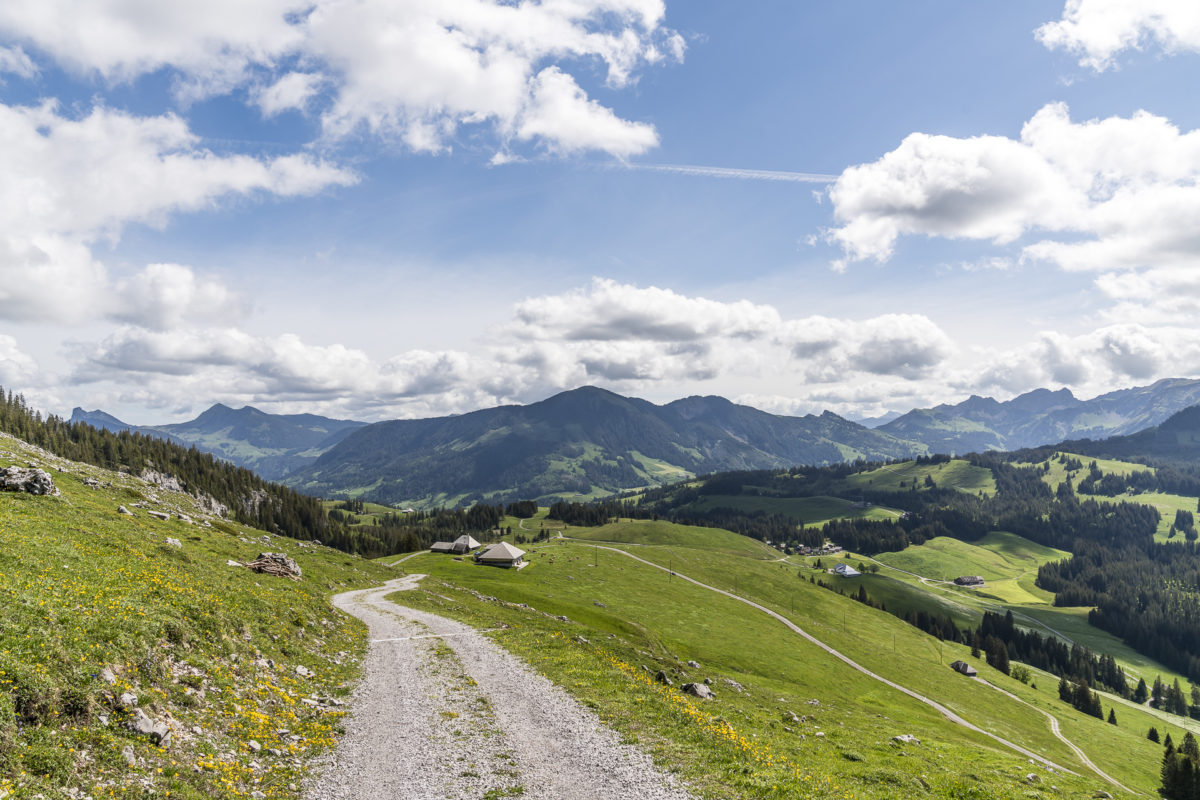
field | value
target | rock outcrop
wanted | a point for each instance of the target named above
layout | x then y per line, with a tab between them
30	481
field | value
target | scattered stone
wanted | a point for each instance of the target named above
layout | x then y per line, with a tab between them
30	481
694	664
254	746
232	563
562	619
127	700
581	640
174	543
1032	777
790	716
708	681
276	752
103	719
906	738
303	672
819	734
124	510
278	564
661	677
185	518
699	690
158	732
814	702
598	604
737	687
108	676
159	515
128	755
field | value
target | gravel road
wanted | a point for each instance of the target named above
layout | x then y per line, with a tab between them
442	712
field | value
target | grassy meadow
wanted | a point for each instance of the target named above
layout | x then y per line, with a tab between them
628	620
95	604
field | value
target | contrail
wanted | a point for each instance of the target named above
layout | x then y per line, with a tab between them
740	174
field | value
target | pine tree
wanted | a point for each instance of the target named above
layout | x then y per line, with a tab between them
1112	716
1169	772
1065	692
1142	693
1152	734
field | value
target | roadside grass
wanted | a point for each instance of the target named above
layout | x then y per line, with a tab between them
95	604
953	474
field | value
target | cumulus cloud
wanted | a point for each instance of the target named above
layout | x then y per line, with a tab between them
417	70
70	182
606	310
1116	193
624	337
16	368
902	345
1096	31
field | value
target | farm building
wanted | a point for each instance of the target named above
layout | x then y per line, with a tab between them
442	547
964	668
846	571
501	554
969	580
465	543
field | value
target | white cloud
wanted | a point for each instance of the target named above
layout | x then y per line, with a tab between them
1098	30
71	182
292	91
416	70
212	44
15	61
901	345
607	311
1121	193
17	370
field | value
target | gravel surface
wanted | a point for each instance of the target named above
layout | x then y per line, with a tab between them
449	714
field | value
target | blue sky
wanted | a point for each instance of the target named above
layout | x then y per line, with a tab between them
382	208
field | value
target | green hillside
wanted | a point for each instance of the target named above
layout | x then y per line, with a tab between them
625	618
95	604
952	474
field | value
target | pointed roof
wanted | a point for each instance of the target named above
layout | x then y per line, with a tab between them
501	551
466	540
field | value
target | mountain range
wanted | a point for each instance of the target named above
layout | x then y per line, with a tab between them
273	445
1042	417
585	442
590	442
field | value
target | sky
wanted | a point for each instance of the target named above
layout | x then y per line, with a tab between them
378	209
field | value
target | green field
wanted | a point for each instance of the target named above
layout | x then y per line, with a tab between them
633	616
901	476
94	604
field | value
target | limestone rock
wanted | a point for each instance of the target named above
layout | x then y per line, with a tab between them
158	732
661	677
124	510
159	515
699	690
906	738
30	481
174	542
694	664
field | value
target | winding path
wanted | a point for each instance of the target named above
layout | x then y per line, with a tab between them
945	712
443	713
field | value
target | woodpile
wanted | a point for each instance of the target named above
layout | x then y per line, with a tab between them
278	564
